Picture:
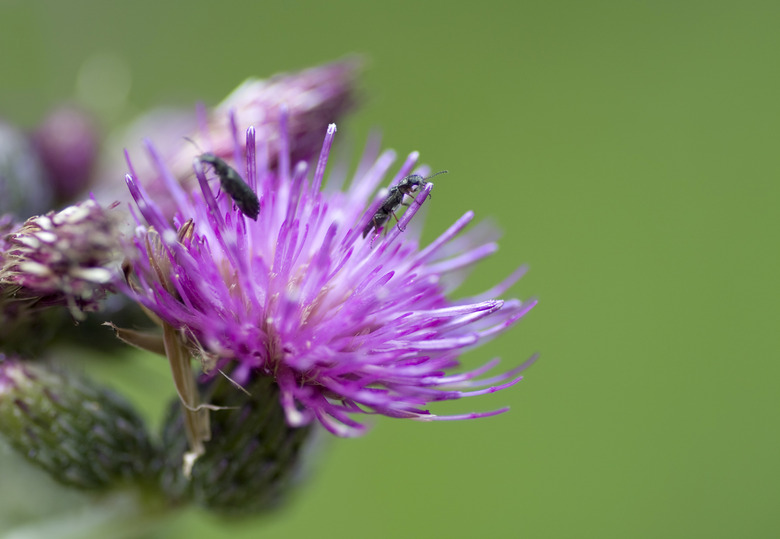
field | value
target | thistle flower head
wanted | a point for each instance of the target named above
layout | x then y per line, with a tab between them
309	99
69	258
343	324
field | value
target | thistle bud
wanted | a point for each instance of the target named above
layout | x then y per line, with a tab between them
252	457
68	145
83	435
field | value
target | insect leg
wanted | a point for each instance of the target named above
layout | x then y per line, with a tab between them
397	220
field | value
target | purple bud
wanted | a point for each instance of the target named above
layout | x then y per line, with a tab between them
68	145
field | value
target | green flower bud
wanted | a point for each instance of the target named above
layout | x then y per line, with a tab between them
83	435
253	455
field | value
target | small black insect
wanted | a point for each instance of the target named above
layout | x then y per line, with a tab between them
395	197
231	182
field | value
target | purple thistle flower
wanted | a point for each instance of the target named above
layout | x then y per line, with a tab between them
344	324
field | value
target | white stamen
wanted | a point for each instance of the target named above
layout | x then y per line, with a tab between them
29	241
95	275
46	237
35	268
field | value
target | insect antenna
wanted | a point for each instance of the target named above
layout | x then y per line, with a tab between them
188	139
433	175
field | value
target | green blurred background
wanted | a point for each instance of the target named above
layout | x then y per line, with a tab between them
628	150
